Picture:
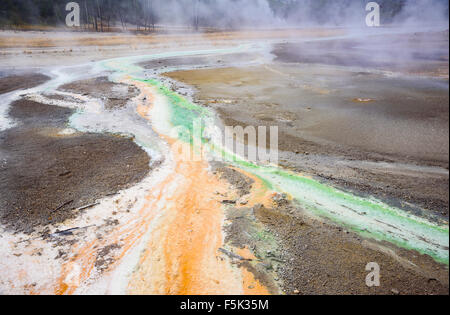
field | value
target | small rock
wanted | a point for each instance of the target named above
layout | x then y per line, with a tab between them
267	266
395	291
230	202
243	201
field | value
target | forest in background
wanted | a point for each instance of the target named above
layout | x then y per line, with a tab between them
146	15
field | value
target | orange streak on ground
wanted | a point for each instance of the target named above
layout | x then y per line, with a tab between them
127	40
128	234
182	255
259	193
188	242
252	287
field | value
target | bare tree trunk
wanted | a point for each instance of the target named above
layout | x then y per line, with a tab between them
122	20
99	14
152	15
95	17
145	8
87	14
196	19
136	15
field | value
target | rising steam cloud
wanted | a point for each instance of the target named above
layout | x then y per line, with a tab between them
232	14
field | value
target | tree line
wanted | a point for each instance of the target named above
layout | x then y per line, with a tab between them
98	15
144	15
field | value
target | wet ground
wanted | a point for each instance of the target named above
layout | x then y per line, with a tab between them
115	96
420	53
185	227
9	83
307	256
375	126
379	133
49	171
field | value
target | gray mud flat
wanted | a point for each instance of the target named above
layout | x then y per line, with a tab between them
418	53
350	124
325	259
325	132
21	81
46	174
301	255
201	61
115	95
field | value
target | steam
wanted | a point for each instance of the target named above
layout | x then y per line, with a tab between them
430	12
227	14
235	14
220	14
352	12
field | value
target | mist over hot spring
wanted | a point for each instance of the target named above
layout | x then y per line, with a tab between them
229	14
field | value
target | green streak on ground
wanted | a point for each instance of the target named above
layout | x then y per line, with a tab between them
368	217
341	207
